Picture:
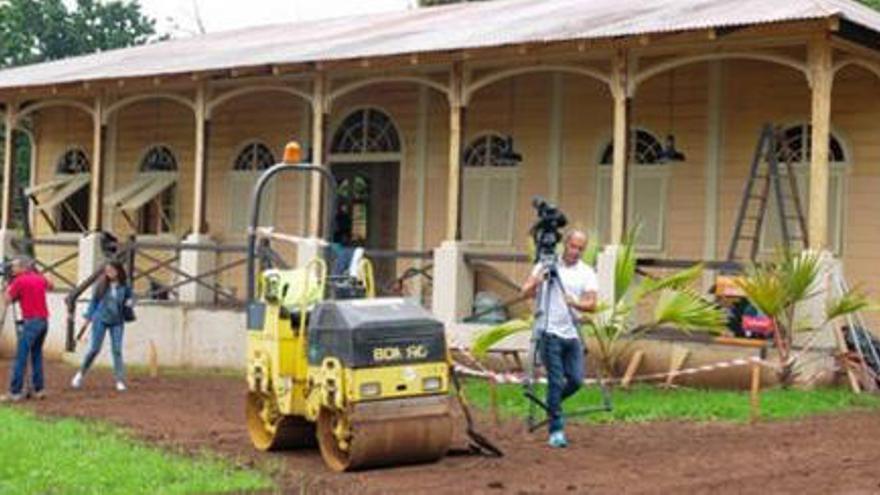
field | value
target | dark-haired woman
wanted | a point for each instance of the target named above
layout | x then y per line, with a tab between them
106	312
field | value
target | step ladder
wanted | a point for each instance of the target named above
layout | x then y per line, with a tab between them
770	173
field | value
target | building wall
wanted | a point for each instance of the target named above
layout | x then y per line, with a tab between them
752	93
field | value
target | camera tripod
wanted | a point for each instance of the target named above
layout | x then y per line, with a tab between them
550	281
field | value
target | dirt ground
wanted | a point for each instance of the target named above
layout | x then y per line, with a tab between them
836	454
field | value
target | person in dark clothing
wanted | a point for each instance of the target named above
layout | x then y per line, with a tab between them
106	312
28	289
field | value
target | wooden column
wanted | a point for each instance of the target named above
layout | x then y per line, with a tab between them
456	130
199	222
8	154
822	77
319	127
96	190
620	93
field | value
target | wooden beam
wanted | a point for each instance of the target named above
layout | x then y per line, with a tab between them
676	362
456	131
319	127
821	66
620	93
96	191
200	183
8	180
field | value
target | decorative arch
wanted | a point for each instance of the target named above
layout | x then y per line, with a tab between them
366	130
504	74
864	64
693	59
236	93
348	88
131	100
54	102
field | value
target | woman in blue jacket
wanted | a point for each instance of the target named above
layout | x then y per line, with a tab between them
107	311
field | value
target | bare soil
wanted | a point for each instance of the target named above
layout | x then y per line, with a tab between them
831	454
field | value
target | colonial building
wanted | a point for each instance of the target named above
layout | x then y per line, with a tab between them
441	125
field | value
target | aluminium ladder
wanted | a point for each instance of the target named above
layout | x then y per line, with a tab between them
770	173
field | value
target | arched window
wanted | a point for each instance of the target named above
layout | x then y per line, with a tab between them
366	131
795	149
158	214
647	149
489	187
159	159
646	191
72	197
73	161
249	162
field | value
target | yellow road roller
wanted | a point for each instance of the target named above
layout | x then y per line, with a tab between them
366	378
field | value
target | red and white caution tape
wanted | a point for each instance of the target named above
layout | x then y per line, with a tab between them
519	378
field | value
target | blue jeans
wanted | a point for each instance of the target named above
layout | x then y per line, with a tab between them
99	329
564	361
30	344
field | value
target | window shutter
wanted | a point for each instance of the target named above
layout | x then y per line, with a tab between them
472	206
241	185
499	212
647	208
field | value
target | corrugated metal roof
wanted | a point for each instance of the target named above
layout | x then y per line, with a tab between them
462	26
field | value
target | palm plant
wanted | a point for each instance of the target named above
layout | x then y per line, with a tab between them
613	327
781	287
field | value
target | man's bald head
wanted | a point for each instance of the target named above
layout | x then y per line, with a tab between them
574	242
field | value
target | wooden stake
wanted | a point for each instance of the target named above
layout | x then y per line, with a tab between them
755	396
153	360
679	356
631	368
493	401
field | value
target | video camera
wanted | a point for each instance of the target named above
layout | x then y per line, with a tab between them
546	231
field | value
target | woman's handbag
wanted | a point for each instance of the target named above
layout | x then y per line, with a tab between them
128	311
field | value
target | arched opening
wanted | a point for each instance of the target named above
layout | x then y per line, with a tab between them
646	196
795	150
489	190
365	158
249	162
73	213
157	214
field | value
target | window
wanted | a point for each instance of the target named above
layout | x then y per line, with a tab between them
489	190
72	214
795	150
646	193
366	131
157	216
252	159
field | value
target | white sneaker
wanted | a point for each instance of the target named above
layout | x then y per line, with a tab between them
77	381
120	387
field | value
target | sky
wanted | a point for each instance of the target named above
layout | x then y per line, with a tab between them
223	15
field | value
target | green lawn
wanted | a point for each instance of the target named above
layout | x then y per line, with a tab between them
646	403
72	457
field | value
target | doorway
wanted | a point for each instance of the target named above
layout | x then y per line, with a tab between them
366	213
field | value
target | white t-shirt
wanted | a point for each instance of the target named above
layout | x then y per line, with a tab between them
577	279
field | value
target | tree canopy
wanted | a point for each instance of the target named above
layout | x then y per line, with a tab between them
34	31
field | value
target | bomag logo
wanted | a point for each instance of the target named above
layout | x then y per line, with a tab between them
395	353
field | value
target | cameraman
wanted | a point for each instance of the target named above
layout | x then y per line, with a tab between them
28	289
561	347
